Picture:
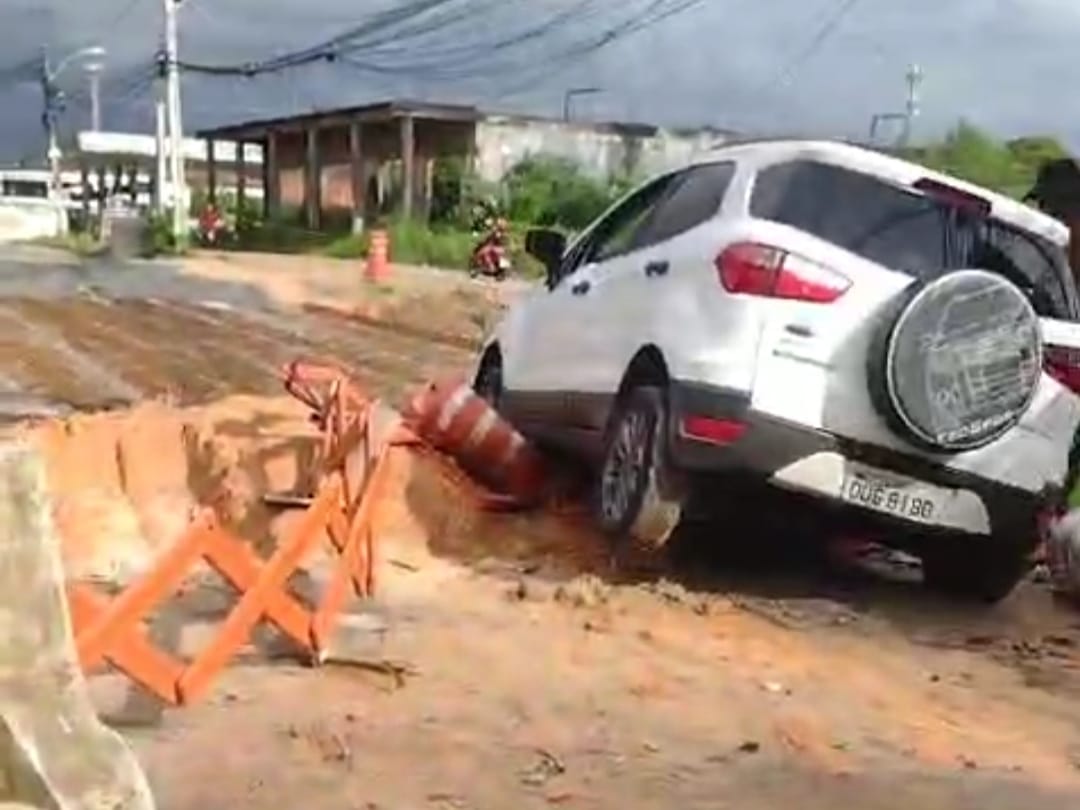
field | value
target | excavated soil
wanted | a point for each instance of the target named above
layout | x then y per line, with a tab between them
519	670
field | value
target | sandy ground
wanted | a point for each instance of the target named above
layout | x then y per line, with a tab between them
85	337
524	671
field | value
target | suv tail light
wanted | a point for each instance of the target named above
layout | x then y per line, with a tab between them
753	269
1063	365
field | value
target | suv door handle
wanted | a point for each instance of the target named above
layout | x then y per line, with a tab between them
657	268
581	287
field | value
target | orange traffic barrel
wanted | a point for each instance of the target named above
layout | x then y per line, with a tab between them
377	267
451	417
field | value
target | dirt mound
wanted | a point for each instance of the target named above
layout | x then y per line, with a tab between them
126	484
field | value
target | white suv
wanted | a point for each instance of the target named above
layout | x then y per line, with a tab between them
817	317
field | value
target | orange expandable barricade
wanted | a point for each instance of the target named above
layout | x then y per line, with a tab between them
450	416
378	256
343	511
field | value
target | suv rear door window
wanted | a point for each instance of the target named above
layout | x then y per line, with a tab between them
695	196
906	230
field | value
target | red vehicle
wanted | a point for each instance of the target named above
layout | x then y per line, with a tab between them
491	256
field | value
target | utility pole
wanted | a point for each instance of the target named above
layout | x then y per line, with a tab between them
176	129
914	78
51	99
161	128
93	73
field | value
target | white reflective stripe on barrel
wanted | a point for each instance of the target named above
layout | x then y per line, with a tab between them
454	403
517	442
482	427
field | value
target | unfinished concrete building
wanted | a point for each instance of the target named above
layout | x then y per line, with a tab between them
367	161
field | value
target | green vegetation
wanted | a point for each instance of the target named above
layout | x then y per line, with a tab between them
80	243
1008	167
554	192
412	243
158	239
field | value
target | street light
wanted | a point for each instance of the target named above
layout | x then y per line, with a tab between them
89	52
54	101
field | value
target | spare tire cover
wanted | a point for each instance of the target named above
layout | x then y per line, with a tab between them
963	360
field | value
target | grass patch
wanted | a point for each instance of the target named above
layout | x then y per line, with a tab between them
411	243
80	243
415	243
282	237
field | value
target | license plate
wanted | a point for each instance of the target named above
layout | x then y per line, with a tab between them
903	500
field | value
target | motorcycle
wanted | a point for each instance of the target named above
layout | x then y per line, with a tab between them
491	256
212	227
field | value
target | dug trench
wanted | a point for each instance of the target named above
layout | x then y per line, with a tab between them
518	669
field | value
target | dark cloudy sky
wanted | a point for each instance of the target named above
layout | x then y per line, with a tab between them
818	66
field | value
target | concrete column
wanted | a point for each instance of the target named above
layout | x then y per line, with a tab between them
312	179
84	179
134	183
356	174
271	178
241	175
211	172
408	167
102	191
426	185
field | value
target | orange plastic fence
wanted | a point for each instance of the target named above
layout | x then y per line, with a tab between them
342	512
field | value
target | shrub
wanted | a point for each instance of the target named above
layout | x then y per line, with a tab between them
550	191
158	236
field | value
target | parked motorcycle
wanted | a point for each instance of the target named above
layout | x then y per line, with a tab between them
491	256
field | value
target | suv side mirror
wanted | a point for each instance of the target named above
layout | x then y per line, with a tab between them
546	246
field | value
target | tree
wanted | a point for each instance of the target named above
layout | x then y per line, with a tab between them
971	154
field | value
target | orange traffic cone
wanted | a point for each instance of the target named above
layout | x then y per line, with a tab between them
451	417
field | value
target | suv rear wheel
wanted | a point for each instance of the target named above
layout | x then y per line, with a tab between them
636	498
974	568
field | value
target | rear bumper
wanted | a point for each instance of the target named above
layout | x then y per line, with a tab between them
767	449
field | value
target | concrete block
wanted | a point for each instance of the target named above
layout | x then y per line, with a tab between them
54	751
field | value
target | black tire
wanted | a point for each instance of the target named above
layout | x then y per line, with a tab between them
978	569
636	499
489	379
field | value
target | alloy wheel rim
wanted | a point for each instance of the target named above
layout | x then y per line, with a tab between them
622	470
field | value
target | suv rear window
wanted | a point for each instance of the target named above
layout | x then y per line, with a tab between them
908	231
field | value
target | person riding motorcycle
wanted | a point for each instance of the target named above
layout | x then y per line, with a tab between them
491	254
211	224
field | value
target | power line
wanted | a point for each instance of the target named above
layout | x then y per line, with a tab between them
326	50
453	63
816	42
441	66
564	60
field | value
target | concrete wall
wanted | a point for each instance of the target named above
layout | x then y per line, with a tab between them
24	219
503	142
